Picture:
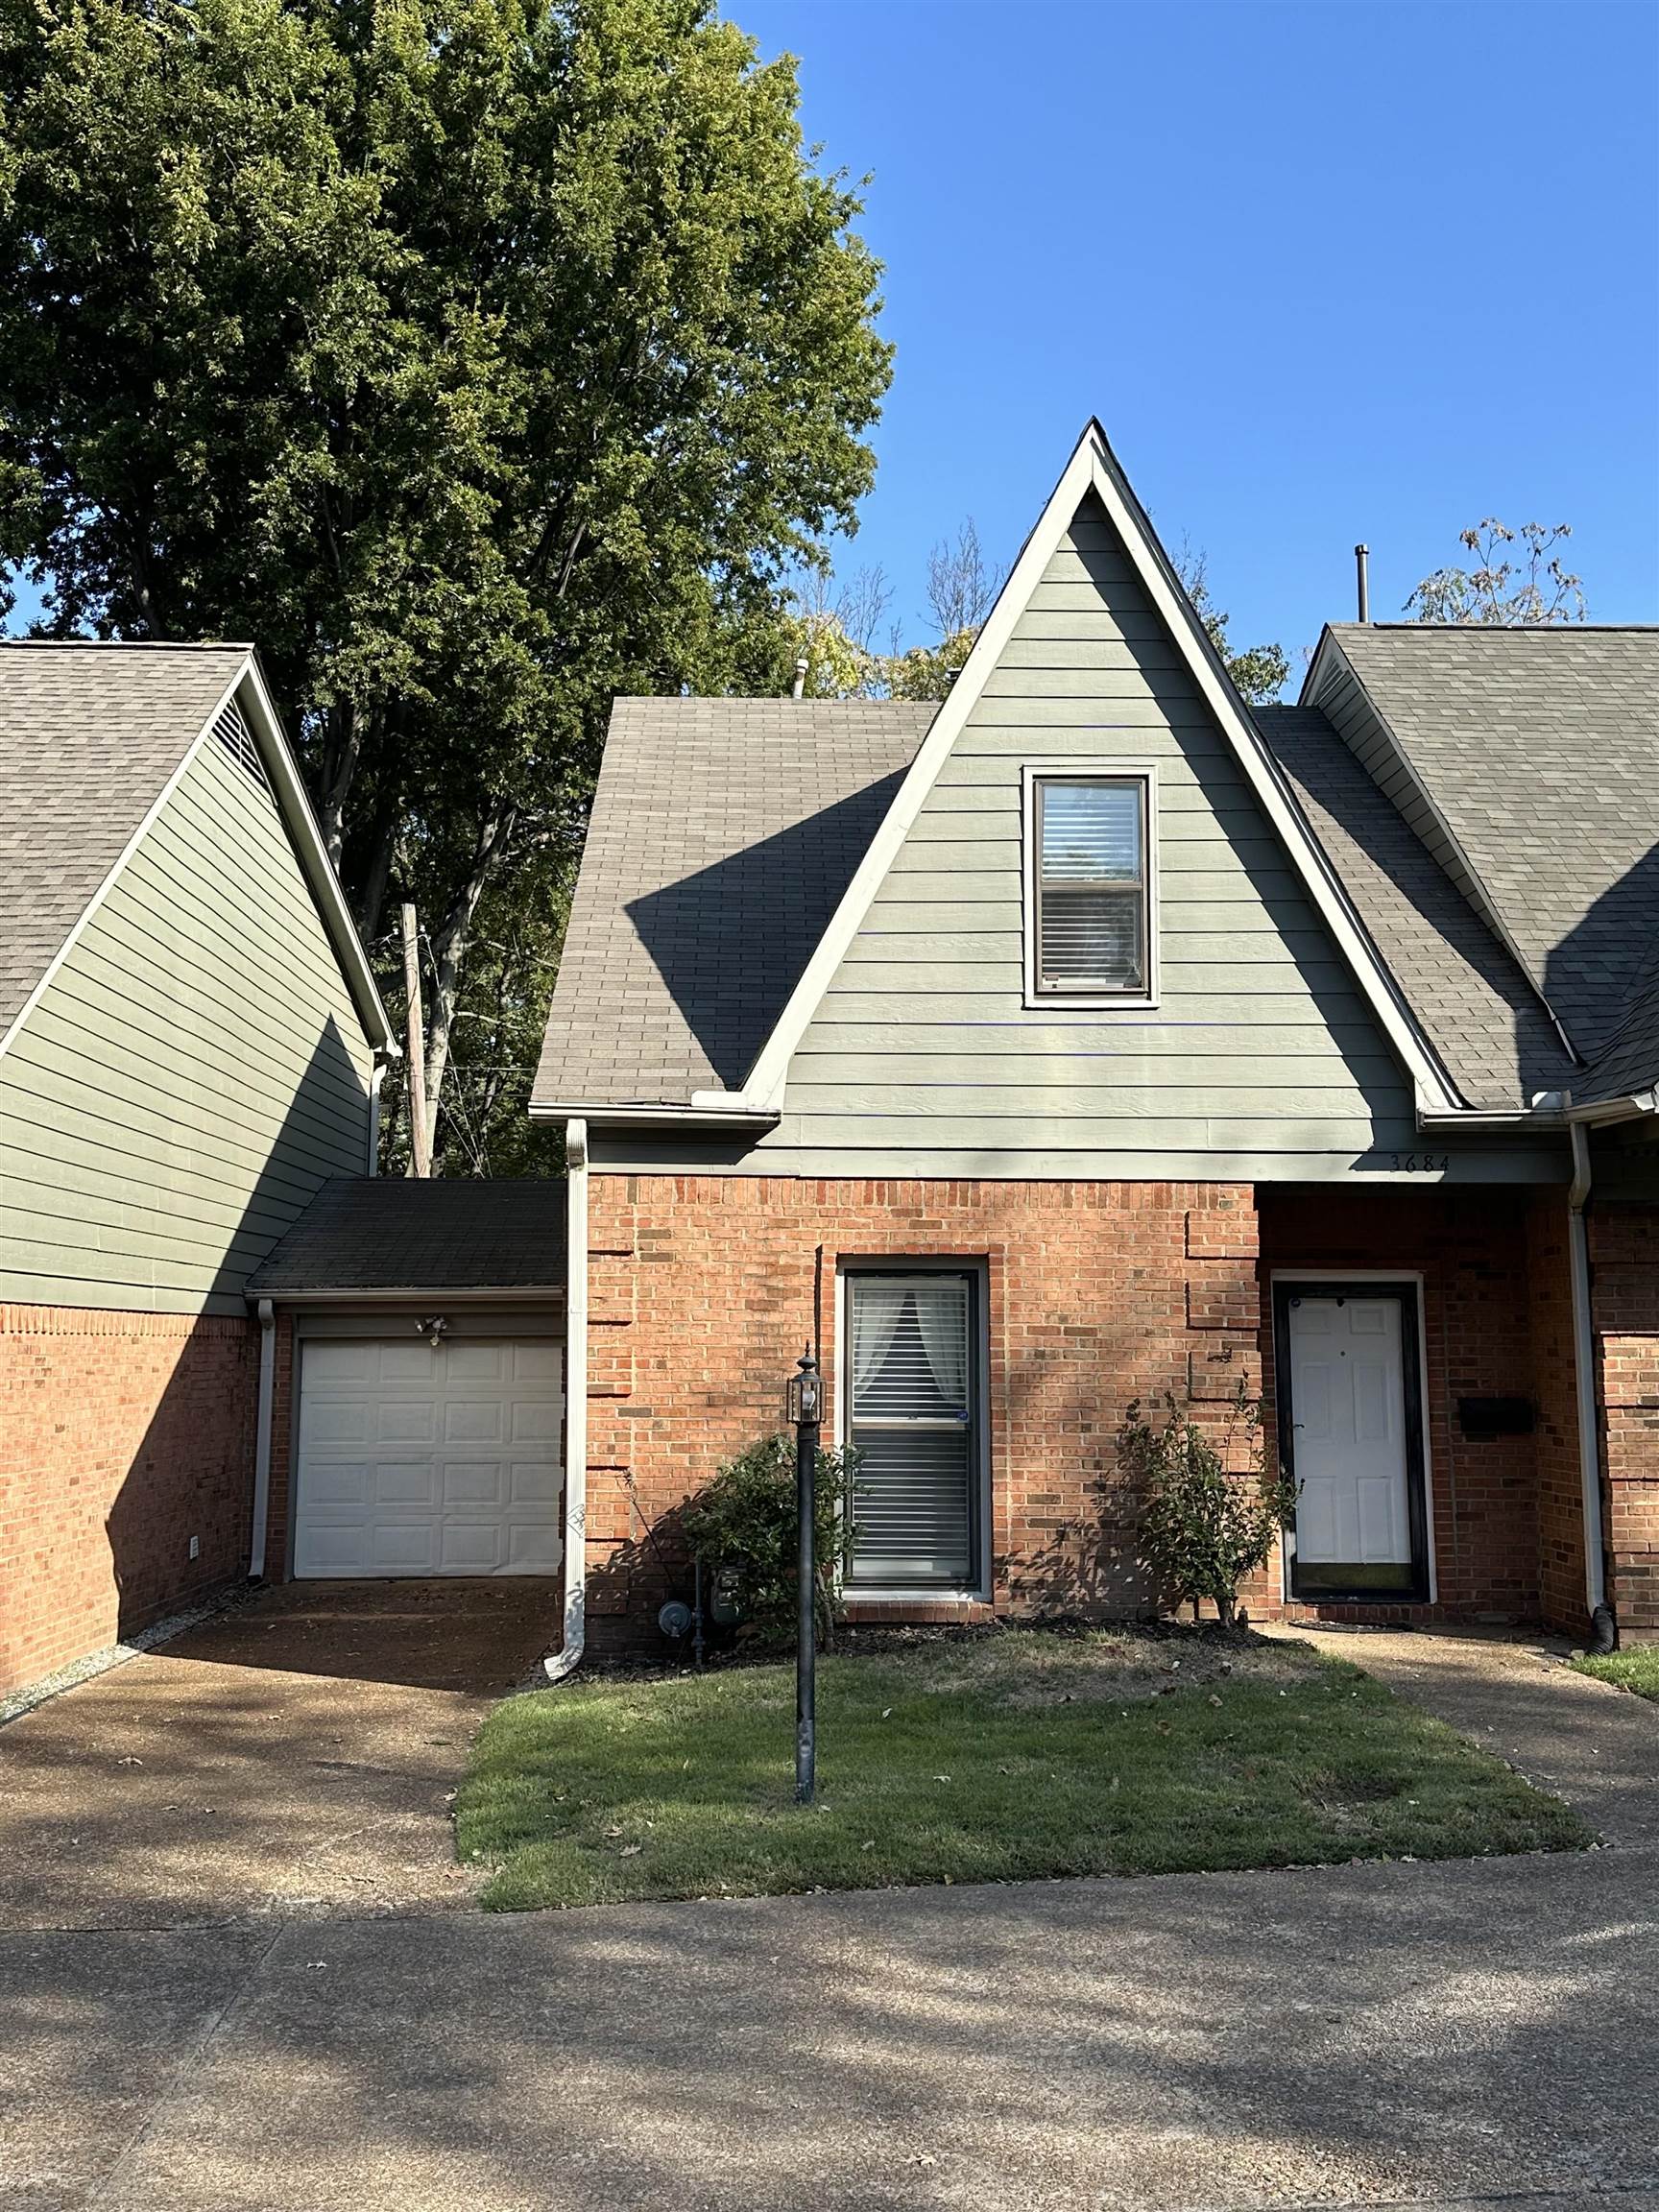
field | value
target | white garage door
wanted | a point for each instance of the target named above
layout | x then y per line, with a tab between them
416	1461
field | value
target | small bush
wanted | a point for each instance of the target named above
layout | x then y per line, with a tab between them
1203	1529
746	1519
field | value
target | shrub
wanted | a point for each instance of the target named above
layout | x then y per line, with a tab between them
746	1519
1203	1529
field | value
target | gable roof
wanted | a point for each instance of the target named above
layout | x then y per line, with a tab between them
1486	1021
723	833
1094	468
1533	757
92	738
395	1235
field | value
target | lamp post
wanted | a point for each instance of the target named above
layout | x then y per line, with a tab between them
805	1401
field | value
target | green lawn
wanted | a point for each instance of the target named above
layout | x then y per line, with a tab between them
1637	1670
1021	1755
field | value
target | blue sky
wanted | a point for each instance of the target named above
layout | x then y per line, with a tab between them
1325	271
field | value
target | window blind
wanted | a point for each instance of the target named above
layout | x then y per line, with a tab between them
912	1420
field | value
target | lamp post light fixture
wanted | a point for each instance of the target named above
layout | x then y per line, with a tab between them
804	1404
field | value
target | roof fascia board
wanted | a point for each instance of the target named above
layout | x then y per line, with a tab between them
1463	872
728	1113
515	1294
1093	467
146	824
298	813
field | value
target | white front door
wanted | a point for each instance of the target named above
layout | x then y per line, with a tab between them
416	1461
1351	1449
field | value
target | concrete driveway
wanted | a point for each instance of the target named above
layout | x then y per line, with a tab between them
294	1755
1474	2034
1481	2032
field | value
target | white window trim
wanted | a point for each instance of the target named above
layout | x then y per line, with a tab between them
1375	1275
1064	1002
903	1266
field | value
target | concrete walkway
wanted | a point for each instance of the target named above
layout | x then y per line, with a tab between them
1355	2035
296	1755
1580	1739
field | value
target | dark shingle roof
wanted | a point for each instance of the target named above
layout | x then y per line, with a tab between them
89	735
724	833
393	1233
1470	998
1540	747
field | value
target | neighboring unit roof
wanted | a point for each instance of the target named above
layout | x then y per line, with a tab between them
395	1234
724	833
1539	748
89	735
1483	1018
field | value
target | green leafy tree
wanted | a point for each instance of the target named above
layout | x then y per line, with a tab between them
1537	588
1259	672
1204	1528
478	360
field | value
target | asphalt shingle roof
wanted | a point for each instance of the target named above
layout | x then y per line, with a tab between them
1470	997
723	833
392	1233
1540	747
89	735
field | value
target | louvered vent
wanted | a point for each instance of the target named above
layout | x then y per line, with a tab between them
233	733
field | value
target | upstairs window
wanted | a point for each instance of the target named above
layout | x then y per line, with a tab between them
1089	877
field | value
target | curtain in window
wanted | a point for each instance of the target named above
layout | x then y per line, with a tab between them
877	1310
941	1317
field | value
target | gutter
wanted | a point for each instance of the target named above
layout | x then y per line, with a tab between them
262	1439
560	1664
1584	1373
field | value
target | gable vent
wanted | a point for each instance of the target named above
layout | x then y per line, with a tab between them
232	733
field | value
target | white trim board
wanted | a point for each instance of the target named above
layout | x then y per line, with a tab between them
1062	1002
1092	467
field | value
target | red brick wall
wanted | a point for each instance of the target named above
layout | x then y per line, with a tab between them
281	1450
702	1293
122	1435
1561	1580
1624	1305
1471	1250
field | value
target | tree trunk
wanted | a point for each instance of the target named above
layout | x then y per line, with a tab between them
378	876
450	948
419	1128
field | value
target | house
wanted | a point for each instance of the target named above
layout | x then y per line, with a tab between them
189	1043
1091	1037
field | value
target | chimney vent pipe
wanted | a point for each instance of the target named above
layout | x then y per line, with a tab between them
800	668
1362	578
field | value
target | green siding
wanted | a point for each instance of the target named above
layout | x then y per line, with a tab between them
1261	1060
189	1076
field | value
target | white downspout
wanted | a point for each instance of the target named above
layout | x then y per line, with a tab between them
378	1076
1584	1371
564	1661
263	1438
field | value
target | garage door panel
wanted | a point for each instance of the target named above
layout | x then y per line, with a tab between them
533	1549
536	1423
534	1482
474	1482
420	1462
474	1421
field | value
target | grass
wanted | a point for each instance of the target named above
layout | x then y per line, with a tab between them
1637	1670
1022	1755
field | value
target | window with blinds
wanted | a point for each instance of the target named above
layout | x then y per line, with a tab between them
913	1417
1090	905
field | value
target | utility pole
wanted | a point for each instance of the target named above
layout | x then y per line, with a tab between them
419	1135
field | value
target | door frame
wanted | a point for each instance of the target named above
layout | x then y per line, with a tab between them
1406	1283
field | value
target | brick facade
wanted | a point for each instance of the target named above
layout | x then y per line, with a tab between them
122	1435
704	1288
1624	1307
